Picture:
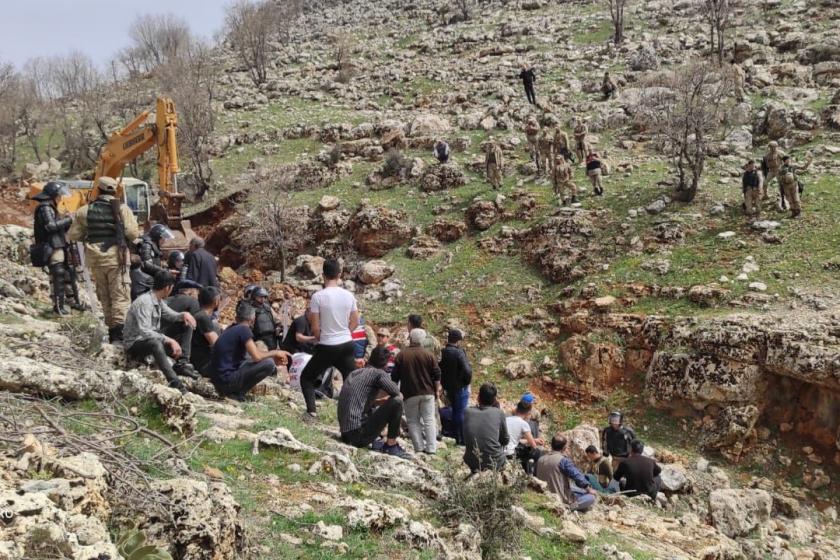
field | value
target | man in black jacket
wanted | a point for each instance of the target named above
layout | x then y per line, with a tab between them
456	376
751	185
265	327
528	77
640	473
51	230
201	265
149	254
616	438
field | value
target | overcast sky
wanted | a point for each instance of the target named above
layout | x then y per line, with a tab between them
95	27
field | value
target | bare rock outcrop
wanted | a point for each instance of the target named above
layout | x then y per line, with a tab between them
377	229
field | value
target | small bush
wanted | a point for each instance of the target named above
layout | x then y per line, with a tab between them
485	501
394	163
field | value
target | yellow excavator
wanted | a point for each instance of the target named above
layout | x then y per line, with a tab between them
125	146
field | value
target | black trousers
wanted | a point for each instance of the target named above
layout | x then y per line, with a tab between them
246	377
159	351
178	331
388	414
529	92
324	357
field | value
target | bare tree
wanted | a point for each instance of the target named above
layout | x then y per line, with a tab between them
464	8
343	44
617	16
190	79
250	25
9	112
684	110
270	225
717	14
159	37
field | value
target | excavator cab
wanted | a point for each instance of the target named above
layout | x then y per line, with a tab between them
135	194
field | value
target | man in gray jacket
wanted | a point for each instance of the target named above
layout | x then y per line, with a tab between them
485	432
144	336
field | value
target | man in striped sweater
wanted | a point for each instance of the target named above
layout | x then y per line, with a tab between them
363	414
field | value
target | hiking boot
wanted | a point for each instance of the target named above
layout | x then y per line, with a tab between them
115	334
378	444
59	309
795	213
185	369
396	451
178	385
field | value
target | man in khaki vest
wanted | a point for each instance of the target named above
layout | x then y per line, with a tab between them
106	227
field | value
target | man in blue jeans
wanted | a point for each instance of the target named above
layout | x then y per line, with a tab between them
456	376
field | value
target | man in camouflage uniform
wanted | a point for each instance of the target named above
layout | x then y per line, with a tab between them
532	134
581	145
564	187
790	184
96	225
545	151
493	164
751	183
608	87
561	144
770	166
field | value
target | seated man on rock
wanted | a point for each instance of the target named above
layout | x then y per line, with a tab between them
599	471
522	445
363	413
147	318
485	432
639	474
230	371
564	478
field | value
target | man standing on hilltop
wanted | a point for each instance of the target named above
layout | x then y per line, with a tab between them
528	77
333	315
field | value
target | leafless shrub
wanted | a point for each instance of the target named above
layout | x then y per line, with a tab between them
717	13
271	228
190	79
684	110
158	38
394	163
252	24
617	17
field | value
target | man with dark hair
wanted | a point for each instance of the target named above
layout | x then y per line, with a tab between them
640	473
599	471
200	264
528	77
333	314
231	373
564	478
362	415
430	343
207	331
485	432
751	186
616	438
456	376
299	337
522	445
144	331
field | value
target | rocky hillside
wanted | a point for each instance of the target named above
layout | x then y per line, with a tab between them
717	335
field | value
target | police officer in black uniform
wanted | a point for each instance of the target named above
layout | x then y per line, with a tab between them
51	229
149	260
265	327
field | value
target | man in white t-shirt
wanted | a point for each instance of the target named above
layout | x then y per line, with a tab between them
522	444
333	314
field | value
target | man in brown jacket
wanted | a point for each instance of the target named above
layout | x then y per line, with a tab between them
418	373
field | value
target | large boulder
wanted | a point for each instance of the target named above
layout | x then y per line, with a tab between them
645	58
578	439
375	230
447	231
14	243
442	177
209	526
592	363
328	220
310	267
482	214
429	125
737	512
375	272
423	247
560	246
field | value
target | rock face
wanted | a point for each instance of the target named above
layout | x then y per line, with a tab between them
579	438
592	363
560	246
737	512
375	230
644	59
442	177
328	220
209	527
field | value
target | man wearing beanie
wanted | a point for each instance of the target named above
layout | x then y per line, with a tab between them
456	376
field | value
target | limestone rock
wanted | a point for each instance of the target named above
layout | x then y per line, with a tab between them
429	125
737	512
310	267
645	58
373	516
423	247
482	214
375	272
579	438
517	369
592	363
328	532
447	231
338	465
282	438
674	479
442	177
375	230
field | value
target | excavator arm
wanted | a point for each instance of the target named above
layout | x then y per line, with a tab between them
136	138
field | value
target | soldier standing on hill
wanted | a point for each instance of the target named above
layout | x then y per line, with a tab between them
532	134
493	164
581	145
791	187
751	186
